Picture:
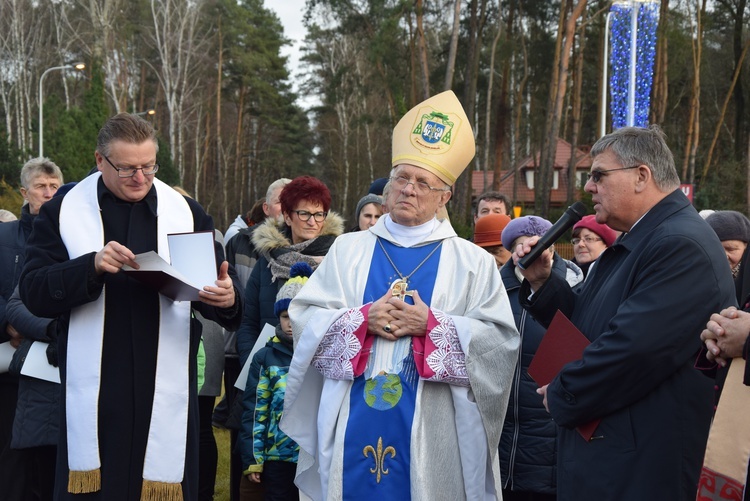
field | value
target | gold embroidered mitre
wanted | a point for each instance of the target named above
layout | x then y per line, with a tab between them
435	135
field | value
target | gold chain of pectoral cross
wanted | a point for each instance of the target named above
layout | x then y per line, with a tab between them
399	288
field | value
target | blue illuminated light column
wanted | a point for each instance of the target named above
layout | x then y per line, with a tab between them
633	49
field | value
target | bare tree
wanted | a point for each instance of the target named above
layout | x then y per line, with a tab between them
422	50
477	23
576	111
488	107
517	103
342	54
106	48
722	115
223	184
65	39
503	114
557	98
177	43
661	88
693	130
6	70
21	33
451	66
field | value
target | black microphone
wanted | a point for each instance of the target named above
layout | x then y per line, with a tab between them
571	216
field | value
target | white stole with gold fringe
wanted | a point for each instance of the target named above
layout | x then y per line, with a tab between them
82	232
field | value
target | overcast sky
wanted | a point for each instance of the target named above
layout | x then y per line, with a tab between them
290	12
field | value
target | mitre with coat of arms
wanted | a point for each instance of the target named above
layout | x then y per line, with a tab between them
436	136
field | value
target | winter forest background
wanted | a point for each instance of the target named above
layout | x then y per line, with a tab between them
526	71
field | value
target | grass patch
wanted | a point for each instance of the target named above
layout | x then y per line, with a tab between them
221	491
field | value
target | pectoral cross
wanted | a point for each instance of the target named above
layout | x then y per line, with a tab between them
399	289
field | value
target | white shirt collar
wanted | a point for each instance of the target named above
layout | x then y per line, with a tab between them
408	236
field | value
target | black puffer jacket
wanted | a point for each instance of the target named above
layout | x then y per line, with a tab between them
38	405
37	420
528	449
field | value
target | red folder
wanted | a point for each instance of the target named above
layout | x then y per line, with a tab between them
562	343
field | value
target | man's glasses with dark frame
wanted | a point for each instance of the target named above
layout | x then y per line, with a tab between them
597	175
147	170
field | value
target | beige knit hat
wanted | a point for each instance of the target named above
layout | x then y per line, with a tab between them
436	136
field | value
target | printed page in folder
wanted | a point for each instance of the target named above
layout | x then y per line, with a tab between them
192	254
193	268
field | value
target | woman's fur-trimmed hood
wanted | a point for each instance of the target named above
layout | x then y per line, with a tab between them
275	234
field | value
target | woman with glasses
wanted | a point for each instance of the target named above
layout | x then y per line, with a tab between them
589	241
304	234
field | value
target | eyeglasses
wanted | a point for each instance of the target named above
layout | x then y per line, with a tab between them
146	170
421	187
596	175
585	240
305	216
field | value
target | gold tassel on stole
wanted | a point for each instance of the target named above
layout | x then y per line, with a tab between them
160	491
83	482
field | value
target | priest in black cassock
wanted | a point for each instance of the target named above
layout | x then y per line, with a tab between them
129	425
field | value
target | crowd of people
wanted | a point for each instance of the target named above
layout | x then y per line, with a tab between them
379	356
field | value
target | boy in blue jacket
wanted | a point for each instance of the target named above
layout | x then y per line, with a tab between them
269	456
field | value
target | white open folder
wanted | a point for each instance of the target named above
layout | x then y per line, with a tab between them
37	366
267	333
193	266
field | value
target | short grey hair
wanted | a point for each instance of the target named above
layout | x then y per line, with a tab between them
279	183
125	127
642	146
37	167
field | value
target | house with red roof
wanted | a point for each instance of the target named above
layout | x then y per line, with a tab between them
519	183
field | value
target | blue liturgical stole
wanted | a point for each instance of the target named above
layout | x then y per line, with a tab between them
381	408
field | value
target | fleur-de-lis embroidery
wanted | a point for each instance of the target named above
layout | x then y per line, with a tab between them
379	457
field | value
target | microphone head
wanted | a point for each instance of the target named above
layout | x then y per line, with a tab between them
578	210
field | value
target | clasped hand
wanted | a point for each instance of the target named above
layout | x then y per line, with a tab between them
725	335
400	318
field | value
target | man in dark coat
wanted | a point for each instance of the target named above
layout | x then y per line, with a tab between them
127	354
642	306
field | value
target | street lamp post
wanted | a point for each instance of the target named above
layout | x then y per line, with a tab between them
150	112
77	66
